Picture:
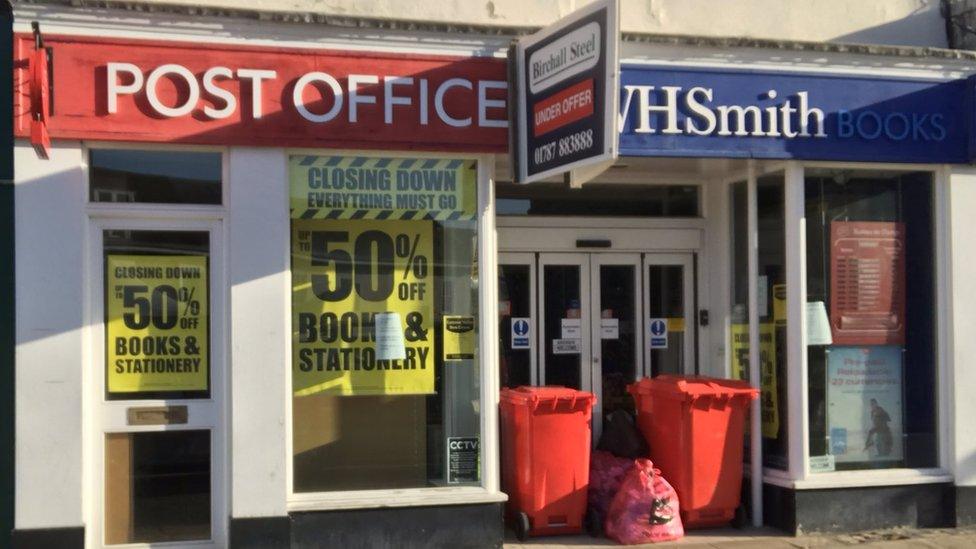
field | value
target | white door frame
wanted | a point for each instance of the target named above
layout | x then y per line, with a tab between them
110	416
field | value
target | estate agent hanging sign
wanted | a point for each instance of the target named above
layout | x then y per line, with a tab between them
565	87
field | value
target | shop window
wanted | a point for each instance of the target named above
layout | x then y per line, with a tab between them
157	177
385	322
157	314
771	288
871	314
597	199
739	279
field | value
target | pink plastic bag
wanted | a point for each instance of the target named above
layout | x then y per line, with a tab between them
645	509
607	471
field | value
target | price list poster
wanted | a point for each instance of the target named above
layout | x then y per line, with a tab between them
867	274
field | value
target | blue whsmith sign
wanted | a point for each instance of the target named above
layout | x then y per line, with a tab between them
669	111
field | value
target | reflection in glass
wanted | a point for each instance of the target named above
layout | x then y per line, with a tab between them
883	335
514	295
771	222
617	333
666	299
390	441
739	278
156	176
562	302
157	486
615	200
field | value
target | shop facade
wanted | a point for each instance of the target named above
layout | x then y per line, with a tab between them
270	280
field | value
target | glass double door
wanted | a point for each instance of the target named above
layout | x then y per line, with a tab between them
595	321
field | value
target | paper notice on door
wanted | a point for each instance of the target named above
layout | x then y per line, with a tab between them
571	328
818	325
566	347
609	328
389	337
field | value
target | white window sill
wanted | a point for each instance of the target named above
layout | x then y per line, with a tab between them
862	479
413	497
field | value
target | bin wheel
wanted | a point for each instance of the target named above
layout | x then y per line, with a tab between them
522	526
593	526
741	518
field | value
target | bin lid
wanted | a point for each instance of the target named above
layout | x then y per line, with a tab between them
526	394
694	387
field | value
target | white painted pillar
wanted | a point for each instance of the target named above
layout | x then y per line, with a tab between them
960	377
258	259
51	350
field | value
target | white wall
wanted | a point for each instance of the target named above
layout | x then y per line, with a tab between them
259	359
51	337
904	22
962	300
715	202
50	293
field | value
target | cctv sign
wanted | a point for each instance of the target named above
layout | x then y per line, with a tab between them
566	77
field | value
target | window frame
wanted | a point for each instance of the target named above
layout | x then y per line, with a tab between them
489	489
799	475
156	209
100	412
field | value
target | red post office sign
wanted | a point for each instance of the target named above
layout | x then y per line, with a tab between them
178	92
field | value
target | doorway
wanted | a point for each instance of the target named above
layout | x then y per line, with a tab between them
157	441
595	321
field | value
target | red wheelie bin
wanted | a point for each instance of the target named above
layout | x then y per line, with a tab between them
694	427
545	443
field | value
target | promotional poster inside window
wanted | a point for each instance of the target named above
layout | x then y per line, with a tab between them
864	404
384	316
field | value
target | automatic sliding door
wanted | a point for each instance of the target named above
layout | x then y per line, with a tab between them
669	319
615	331
565	320
517	319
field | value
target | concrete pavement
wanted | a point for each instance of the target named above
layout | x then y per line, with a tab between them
950	538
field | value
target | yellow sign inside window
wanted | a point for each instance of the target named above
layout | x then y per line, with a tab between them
351	187
362	307
459	337
157	323
767	367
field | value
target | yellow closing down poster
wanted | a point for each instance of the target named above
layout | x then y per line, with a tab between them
359	187
156	323
362	307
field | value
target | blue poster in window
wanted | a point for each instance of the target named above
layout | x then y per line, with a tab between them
864	403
